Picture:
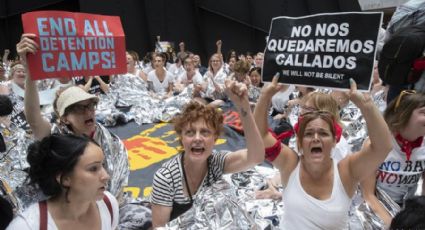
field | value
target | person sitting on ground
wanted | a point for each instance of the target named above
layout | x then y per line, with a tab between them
178	181
315	184
68	169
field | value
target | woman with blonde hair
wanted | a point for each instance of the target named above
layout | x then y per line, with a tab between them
315	185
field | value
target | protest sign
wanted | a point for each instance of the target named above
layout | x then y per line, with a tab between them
75	44
323	50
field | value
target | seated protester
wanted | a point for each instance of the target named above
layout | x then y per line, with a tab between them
93	85
68	169
256	84
16	83
177	68
14	89
215	77
198	65
405	117
76	111
280	107
160	81
188	77
177	183
258	60
412	216
231	64
249	58
317	186
132	65
314	101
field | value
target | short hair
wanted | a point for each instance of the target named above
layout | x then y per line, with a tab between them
54	155
412	216
194	111
397	116
13	68
241	66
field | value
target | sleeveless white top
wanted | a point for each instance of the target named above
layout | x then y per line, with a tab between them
302	211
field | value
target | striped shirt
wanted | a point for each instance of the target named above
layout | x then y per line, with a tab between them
168	180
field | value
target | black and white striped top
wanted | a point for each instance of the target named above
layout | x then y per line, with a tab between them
168	180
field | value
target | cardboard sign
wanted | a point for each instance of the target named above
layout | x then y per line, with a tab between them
323	50
75	44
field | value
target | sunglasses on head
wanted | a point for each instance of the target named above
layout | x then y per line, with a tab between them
400	96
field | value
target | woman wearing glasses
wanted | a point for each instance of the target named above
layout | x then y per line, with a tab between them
400	172
76	111
315	185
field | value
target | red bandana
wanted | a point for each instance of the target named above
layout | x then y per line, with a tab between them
407	146
337	127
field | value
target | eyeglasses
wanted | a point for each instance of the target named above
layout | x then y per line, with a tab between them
400	96
80	108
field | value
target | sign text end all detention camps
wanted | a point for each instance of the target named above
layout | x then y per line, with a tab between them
323	50
75	44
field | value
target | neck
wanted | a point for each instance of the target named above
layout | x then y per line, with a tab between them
75	209
316	170
196	170
409	135
132	70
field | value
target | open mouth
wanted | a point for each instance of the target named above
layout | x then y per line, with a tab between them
89	121
316	150
197	150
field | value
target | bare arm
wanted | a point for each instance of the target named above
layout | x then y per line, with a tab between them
5	56
103	86
219	43
254	154
39	126
87	86
160	215
367	187
287	158
373	153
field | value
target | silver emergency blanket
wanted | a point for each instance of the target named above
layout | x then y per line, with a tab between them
230	204
13	162
131	101
363	217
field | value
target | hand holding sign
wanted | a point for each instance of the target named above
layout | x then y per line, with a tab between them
26	45
358	98
273	87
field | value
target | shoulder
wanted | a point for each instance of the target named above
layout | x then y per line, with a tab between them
106	209
29	219
168	169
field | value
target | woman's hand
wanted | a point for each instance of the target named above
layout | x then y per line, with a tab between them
273	87
238	93
358	98
26	45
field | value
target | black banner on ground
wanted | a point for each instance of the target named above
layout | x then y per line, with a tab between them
323	50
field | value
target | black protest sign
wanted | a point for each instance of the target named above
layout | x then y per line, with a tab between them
323	50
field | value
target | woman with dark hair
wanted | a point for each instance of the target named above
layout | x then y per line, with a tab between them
68	169
160	81
399	174
76	111
316	185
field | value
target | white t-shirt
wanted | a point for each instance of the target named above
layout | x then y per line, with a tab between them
196	79
30	218
158	86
